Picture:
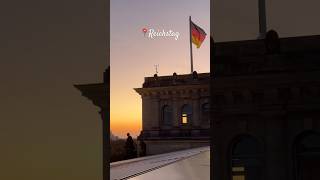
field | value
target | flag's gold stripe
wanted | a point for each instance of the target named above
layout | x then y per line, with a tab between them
196	41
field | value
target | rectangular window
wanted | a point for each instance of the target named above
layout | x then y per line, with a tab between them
238	169
238	173
184	118
238	177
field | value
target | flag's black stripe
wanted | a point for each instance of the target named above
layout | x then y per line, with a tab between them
198	28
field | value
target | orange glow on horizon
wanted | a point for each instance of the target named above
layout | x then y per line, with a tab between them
133	56
126	110
121	127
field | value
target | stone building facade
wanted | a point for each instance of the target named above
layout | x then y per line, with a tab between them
265	98
175	112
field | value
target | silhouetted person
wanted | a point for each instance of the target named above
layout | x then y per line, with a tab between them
143	148
130	149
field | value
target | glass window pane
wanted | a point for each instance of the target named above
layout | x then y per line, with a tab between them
238	177
167	115
184	119
186	114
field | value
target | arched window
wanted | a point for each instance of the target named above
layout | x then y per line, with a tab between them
205	110
186	114
307	156
167	115
246	159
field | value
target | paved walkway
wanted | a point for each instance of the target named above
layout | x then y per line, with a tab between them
191	164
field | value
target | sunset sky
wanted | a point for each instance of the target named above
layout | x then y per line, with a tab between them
133	56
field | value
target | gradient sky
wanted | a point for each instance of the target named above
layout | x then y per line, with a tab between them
133	56
48	131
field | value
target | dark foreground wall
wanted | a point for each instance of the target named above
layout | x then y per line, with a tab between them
265	102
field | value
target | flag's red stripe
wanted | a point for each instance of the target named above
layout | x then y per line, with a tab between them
198	34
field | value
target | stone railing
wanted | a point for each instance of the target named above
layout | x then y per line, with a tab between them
186	79
175	134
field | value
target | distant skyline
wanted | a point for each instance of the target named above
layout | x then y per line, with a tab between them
134	55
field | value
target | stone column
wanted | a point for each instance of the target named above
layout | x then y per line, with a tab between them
178	104
150	112
145	112
196	109
247	96
156	109
175	113
229	98
275	149
273	95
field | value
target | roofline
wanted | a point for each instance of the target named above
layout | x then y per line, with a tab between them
254	40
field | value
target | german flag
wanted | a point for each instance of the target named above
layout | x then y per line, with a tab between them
197	34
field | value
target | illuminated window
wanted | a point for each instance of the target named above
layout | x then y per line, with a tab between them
246	159
186	114
238	177
238	173
184	118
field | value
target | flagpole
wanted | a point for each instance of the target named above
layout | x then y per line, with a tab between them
191	56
